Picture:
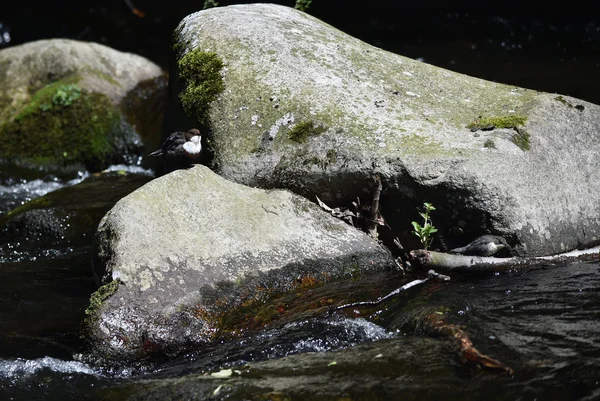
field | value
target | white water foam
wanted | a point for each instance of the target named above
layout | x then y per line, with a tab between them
356	331
10	369
130	169
22	191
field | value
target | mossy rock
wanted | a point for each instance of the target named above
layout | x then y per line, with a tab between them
64	125
67	105
311	109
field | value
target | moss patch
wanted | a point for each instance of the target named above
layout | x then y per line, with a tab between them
521	138
489	143
569	104
43	202
97	299
497	122
201	74
563	101
305	129
63	124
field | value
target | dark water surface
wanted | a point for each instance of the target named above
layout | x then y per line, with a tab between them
543	323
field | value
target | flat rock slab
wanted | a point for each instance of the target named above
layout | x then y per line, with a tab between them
186	247
309	108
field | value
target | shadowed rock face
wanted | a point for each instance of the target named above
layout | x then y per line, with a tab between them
309	108
184	249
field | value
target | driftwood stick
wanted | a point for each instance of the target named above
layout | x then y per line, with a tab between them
430	275
381	299
403	254
436	324
461	263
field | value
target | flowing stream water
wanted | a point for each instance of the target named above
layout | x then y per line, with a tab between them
543	323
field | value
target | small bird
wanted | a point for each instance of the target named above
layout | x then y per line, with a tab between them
180	149
486	245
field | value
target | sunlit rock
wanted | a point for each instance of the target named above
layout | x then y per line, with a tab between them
179	255
294	103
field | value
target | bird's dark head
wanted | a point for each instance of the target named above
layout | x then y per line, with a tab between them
501	241
192	133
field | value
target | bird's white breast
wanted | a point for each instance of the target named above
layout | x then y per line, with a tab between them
193	146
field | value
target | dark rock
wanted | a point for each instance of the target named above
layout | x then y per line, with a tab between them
68	216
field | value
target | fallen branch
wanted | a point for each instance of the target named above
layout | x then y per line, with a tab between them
436	324
374	217
381	299
431	274
403	260
480	264
343	214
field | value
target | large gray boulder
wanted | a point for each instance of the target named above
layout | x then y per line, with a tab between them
182	251
299	104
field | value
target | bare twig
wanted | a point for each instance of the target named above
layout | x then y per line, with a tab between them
381	299
430	275
404	257
375	216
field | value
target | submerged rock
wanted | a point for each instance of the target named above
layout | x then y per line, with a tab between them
66	217
66	104
293	103
179	253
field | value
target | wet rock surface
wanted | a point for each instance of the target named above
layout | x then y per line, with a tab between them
180	252
67	217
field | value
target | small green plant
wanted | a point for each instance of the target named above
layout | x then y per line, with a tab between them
210	4
65	95
302	5
425	231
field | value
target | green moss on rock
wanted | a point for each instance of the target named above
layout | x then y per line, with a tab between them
511	121
98	297
521	139
563	100
490	144
62	124
201	73
305	129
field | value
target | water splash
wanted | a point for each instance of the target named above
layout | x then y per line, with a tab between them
16	192
18	368
134	169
